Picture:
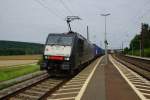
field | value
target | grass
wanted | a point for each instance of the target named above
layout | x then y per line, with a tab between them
147	52
137	52
14	72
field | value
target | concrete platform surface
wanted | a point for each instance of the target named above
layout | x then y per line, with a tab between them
108	84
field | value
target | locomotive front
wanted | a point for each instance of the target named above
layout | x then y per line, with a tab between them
57	53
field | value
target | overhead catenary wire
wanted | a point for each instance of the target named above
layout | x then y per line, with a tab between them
62	13
43	3
73	7
48	9
66	7
139	16
70	10
143	12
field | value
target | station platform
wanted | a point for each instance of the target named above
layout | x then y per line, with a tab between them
144	58
97	82
108	84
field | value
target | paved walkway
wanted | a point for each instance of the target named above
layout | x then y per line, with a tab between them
108	84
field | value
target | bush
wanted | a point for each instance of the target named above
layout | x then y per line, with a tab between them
40	61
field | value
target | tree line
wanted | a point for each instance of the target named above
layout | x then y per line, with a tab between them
20	48
141	42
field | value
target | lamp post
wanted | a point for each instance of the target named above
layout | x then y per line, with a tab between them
105	40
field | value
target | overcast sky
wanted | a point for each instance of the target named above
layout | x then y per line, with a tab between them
32	20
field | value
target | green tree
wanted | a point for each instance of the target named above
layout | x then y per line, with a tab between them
143	38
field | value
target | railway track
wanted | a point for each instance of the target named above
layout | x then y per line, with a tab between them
32	89
138	83
142	67
39	91
75	88
142	63
45	87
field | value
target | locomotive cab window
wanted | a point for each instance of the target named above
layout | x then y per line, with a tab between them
59	40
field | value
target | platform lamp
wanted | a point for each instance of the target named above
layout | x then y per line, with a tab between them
105	39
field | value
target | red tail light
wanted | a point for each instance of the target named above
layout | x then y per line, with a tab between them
56	57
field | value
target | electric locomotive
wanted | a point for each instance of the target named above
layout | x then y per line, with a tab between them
66	53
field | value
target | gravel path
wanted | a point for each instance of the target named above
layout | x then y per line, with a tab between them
6	63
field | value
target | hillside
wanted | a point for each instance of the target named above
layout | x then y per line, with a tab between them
19	48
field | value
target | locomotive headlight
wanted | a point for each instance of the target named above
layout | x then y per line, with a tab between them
46	57
67	58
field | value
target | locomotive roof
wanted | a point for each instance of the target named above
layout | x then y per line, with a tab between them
73	34
68	34
65	34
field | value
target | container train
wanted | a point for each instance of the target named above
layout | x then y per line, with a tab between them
67	53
